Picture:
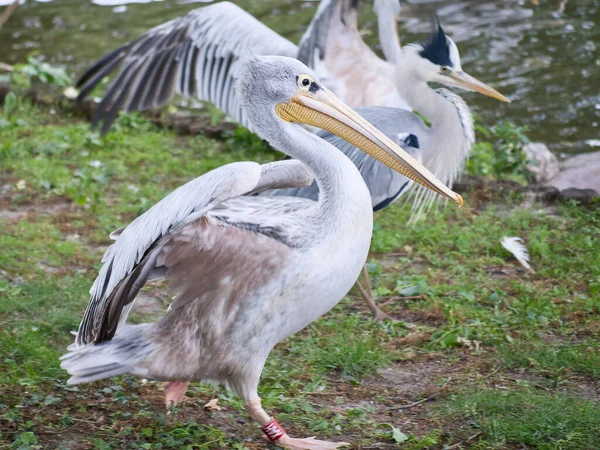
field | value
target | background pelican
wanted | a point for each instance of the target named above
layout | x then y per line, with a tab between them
194	55
248	271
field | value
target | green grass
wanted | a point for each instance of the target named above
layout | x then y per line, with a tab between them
544	421
353	347
554	359
469	318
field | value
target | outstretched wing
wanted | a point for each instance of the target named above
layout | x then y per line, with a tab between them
129	262
193	55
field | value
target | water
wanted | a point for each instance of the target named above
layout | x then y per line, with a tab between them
546	61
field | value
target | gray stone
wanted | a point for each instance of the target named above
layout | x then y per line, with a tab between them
585	196
546	194
541	162
581	171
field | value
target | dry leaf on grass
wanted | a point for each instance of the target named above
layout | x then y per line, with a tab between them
212	405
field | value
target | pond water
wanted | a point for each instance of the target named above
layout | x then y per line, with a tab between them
544	57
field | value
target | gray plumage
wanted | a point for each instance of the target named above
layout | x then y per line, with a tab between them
138	245
447	143
194	55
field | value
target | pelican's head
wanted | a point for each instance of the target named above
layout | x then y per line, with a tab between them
287	89
437	61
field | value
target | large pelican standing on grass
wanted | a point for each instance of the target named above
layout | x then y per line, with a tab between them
194	56
248	270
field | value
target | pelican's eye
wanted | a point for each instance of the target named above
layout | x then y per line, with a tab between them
445	70
304	82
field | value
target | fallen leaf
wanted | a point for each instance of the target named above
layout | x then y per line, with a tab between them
212	405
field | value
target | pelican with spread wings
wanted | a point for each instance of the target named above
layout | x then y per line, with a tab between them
247	270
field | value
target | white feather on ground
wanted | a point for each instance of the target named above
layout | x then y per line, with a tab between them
516	247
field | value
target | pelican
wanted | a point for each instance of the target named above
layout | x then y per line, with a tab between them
193	56
248	271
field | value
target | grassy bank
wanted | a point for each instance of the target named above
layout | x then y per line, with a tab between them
483	354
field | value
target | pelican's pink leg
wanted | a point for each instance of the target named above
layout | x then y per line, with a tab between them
175	392
278	436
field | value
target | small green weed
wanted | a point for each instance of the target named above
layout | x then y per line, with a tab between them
499	153
22	75
352	347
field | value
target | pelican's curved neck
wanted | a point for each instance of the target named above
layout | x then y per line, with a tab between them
342	191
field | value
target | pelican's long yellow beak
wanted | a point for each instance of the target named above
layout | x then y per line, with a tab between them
465	81
322	109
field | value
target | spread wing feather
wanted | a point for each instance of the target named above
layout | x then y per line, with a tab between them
193	55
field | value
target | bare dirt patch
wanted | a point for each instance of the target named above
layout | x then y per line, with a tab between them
13	213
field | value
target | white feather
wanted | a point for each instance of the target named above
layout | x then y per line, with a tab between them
516	247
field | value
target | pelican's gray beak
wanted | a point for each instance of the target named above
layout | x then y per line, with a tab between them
324	110
465	81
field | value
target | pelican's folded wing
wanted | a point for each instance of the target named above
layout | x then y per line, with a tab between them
289	173
133	243
131	259
193	56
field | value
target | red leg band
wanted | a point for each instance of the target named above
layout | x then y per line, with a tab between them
273	430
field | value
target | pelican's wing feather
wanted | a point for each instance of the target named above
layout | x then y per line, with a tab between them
332	29
194	56
334	48
220	195
289	173
313	44
193	199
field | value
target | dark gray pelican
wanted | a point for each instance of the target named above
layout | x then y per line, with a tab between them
247	270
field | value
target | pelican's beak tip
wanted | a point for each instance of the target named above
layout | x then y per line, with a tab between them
459	200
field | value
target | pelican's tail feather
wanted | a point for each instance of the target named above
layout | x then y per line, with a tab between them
108	359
